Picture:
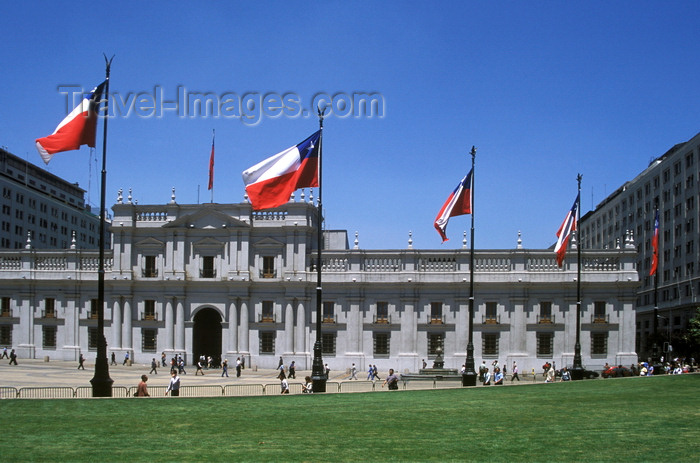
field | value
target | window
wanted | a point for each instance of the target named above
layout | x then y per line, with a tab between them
599	312
436	313
267	342
149	268
94	307
149	310
382	312
491	313
268	267
381	344
328	343
5	310
207	270
545	343
328	312
545	312
6	335
489	344
149	340
268	312
599	343
92	338
49	337
435	341
49	308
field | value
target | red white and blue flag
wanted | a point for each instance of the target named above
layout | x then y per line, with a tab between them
564	232
211	164
458	203
76	129
270	183
655	246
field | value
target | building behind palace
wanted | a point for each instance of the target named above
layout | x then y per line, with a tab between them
222	280
43	208
669	183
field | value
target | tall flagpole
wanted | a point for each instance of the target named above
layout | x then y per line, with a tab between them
101	382
655	356
469	376
318	372
577	369
211	165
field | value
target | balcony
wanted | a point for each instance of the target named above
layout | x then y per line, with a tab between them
149	273
600	318
382	319
48	314
436	320
268	273
6	314
266	318
92	315
545	319
328	319
207	273
149	316
491	319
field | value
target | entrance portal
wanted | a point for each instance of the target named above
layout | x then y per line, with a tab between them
206	336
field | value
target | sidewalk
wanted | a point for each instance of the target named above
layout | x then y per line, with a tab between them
37	373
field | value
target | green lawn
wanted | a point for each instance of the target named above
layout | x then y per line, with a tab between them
626	419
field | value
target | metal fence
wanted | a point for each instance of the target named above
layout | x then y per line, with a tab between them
232	390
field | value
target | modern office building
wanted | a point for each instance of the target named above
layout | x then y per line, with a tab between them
222	280
670	185
41	210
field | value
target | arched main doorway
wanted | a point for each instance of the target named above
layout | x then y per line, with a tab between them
206	335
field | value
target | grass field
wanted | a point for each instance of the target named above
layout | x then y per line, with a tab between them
626	419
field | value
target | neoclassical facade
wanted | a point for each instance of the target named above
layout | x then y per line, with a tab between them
221	280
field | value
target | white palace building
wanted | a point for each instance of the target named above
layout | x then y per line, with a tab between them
221	280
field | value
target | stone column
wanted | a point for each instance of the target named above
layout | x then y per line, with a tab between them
180	327
289	329
243	337
128	316
116	323
232	327
169	323
300	335
408	346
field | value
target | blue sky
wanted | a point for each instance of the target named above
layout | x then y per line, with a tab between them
544	90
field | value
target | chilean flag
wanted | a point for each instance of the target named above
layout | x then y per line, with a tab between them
270	183
655	246
458	203
211	164
564	232
78	128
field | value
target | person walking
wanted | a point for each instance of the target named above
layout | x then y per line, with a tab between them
13	357
162	360
199	368
392	380
353	372
81	360
181	366
515	373
284	385
114	359
292	370
142	389
154	367
4	354
370	373
174	386
224	367
239	366
126	358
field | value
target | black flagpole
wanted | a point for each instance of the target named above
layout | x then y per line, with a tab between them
655	355
577	369
318	372
101	382
469	376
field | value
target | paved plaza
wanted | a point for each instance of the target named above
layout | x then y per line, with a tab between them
38	373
